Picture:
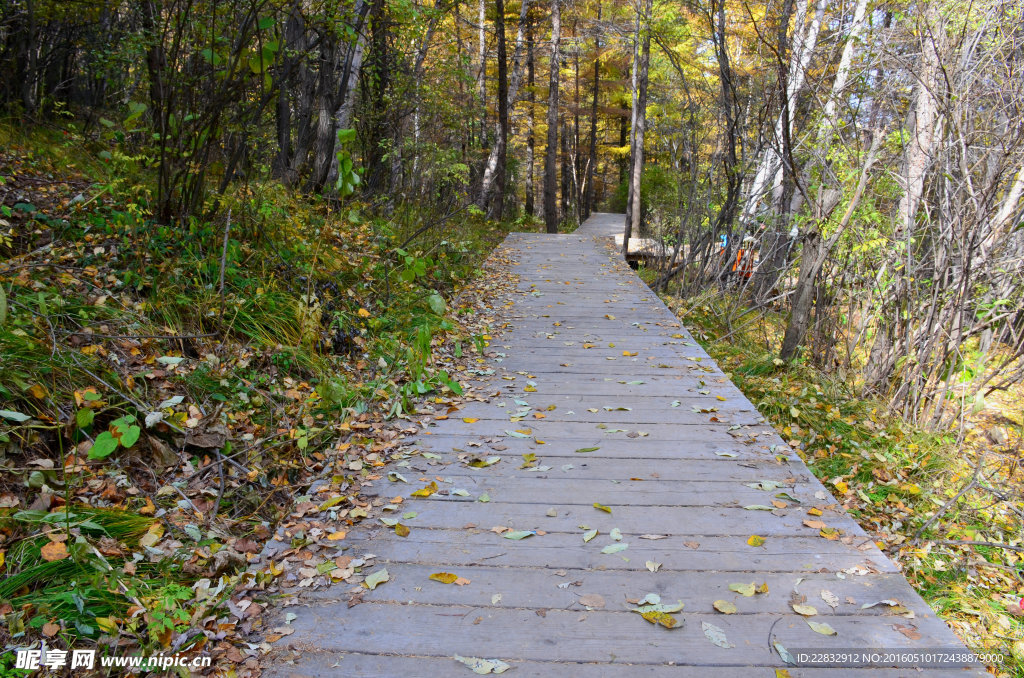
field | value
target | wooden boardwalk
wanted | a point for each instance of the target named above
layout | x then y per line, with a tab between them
637	418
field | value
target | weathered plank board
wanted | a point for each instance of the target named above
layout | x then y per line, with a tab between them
677	461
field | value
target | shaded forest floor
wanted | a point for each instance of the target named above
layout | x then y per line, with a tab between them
922	496
170	393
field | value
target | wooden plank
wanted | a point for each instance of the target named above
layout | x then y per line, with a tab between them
312	663
534	588
563	635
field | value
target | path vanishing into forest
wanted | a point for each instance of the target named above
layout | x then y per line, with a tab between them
641	437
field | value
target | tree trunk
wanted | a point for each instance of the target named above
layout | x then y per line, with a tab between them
633	209
588	203
530	141
551	152
511	91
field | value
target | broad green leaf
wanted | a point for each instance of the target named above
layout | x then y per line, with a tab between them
104	446
436	303
130	436
518	534
14	416
84	417
615	548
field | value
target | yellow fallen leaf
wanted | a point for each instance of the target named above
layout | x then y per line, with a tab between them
37	392
55	550
842	486
755	540
629	353
337	536
720	397
814	511
426	491
666	620
444	577
401	530
107	625
530	389
363	313
470	420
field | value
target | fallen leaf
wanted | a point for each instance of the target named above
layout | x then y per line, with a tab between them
337	536
805	610
401	530
444	577
759	507
519	534
615	548
483	666
784	654
662	618
755	540
588	449
822	628
724	606
653	566
426	491
831	599
375	579
909	631
654	536
470	420
745	590
602	507
53	551
716	635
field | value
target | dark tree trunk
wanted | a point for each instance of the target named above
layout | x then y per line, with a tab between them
530	141
551	152
588	202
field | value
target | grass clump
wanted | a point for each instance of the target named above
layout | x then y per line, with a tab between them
945	505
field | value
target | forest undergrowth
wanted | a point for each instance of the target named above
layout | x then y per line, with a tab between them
164	398
945	506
